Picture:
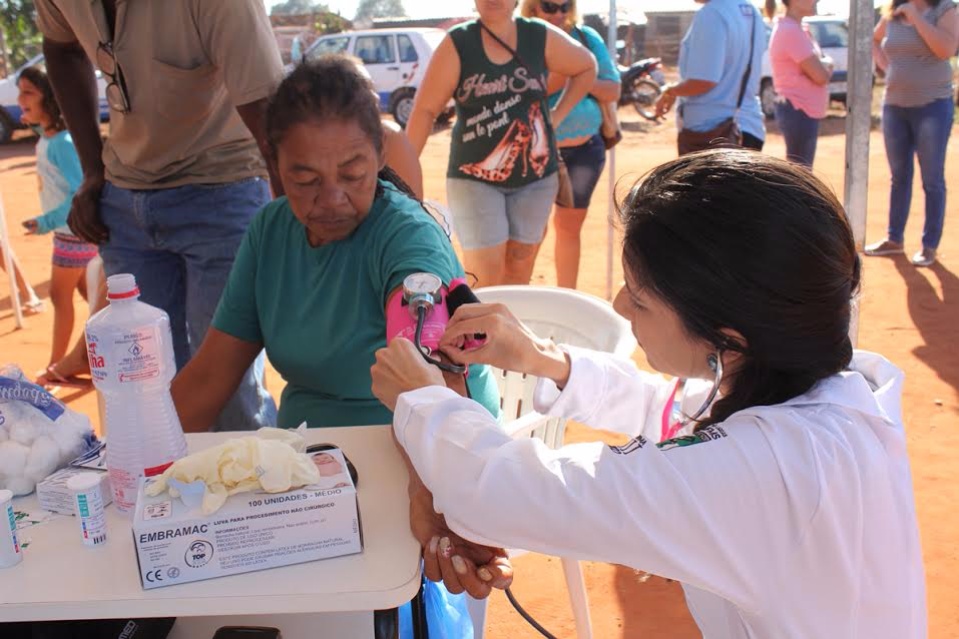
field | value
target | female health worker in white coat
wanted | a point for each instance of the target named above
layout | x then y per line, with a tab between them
785	507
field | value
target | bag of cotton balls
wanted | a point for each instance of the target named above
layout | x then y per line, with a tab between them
38	433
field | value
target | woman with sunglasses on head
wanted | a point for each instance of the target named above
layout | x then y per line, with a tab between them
578	136
776	488
501	179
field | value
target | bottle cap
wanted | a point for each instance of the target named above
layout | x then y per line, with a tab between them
83	482
122	286
5	496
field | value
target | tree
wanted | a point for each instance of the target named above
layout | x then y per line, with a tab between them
370	9
18	19
298	7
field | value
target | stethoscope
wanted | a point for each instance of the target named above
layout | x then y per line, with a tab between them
674	420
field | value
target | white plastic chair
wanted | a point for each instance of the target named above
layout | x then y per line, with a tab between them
567	317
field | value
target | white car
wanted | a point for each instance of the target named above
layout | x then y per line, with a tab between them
832	34
10	110
396	60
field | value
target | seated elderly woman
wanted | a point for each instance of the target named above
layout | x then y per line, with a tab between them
317	268
313	276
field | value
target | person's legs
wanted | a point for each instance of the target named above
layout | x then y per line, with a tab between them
136	246
932	136
70	258
527	210
479	220
63	281
585	164
800	132
568	223
204	225
900	143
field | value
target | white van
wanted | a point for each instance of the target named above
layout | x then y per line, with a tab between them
396	60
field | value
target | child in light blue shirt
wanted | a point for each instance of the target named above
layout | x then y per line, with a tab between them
59	172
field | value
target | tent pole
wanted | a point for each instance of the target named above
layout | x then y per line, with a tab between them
9	264
858	124
611	36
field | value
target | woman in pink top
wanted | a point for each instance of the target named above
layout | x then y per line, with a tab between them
801	77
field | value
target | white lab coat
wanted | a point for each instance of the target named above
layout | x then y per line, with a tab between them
787	521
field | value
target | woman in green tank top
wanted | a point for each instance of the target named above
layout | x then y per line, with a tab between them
501	178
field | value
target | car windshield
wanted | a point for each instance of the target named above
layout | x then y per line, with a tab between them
830	35
326	46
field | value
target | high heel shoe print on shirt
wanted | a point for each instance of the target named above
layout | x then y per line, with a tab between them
499	164
526	141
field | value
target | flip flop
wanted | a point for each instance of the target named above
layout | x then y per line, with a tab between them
33	307
51	378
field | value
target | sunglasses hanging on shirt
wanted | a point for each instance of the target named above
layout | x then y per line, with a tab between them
554	7
118	98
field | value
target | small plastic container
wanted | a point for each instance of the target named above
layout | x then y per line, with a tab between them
11	553
88	504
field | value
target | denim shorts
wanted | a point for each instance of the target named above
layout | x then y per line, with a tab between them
485	215
585	164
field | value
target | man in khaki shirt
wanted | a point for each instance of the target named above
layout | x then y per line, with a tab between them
171	192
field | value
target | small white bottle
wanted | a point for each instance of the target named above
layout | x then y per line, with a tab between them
130	348
10	551
88	506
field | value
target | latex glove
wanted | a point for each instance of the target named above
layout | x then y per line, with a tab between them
268	461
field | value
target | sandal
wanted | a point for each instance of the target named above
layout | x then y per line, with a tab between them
33	307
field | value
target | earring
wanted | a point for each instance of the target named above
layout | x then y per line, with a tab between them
712	360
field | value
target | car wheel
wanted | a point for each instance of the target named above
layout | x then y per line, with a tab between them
767	96
402	107
6	128
645	92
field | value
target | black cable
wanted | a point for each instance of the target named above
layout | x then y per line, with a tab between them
525	615
456	369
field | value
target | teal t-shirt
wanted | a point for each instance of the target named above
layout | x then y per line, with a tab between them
319	311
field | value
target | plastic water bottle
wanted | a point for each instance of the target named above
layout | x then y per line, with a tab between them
130	348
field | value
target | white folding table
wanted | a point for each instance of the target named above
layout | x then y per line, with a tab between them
59	578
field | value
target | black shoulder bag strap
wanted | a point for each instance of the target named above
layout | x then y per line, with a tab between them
514	52
749	64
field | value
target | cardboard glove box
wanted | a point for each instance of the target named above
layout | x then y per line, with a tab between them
252	531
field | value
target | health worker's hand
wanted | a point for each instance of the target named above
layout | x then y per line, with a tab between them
665	102
400	368
84	219
460	564
510	345
32	226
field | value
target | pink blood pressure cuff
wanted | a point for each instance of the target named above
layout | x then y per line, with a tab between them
401	323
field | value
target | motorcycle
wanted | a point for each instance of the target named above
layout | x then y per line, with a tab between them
642	83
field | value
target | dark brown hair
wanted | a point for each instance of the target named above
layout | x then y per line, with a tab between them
39	79
734	239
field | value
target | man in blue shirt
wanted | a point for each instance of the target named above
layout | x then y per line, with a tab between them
712	61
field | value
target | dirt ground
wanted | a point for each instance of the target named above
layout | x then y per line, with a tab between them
910	315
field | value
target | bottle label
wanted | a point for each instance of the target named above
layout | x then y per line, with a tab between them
132	355
124	485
